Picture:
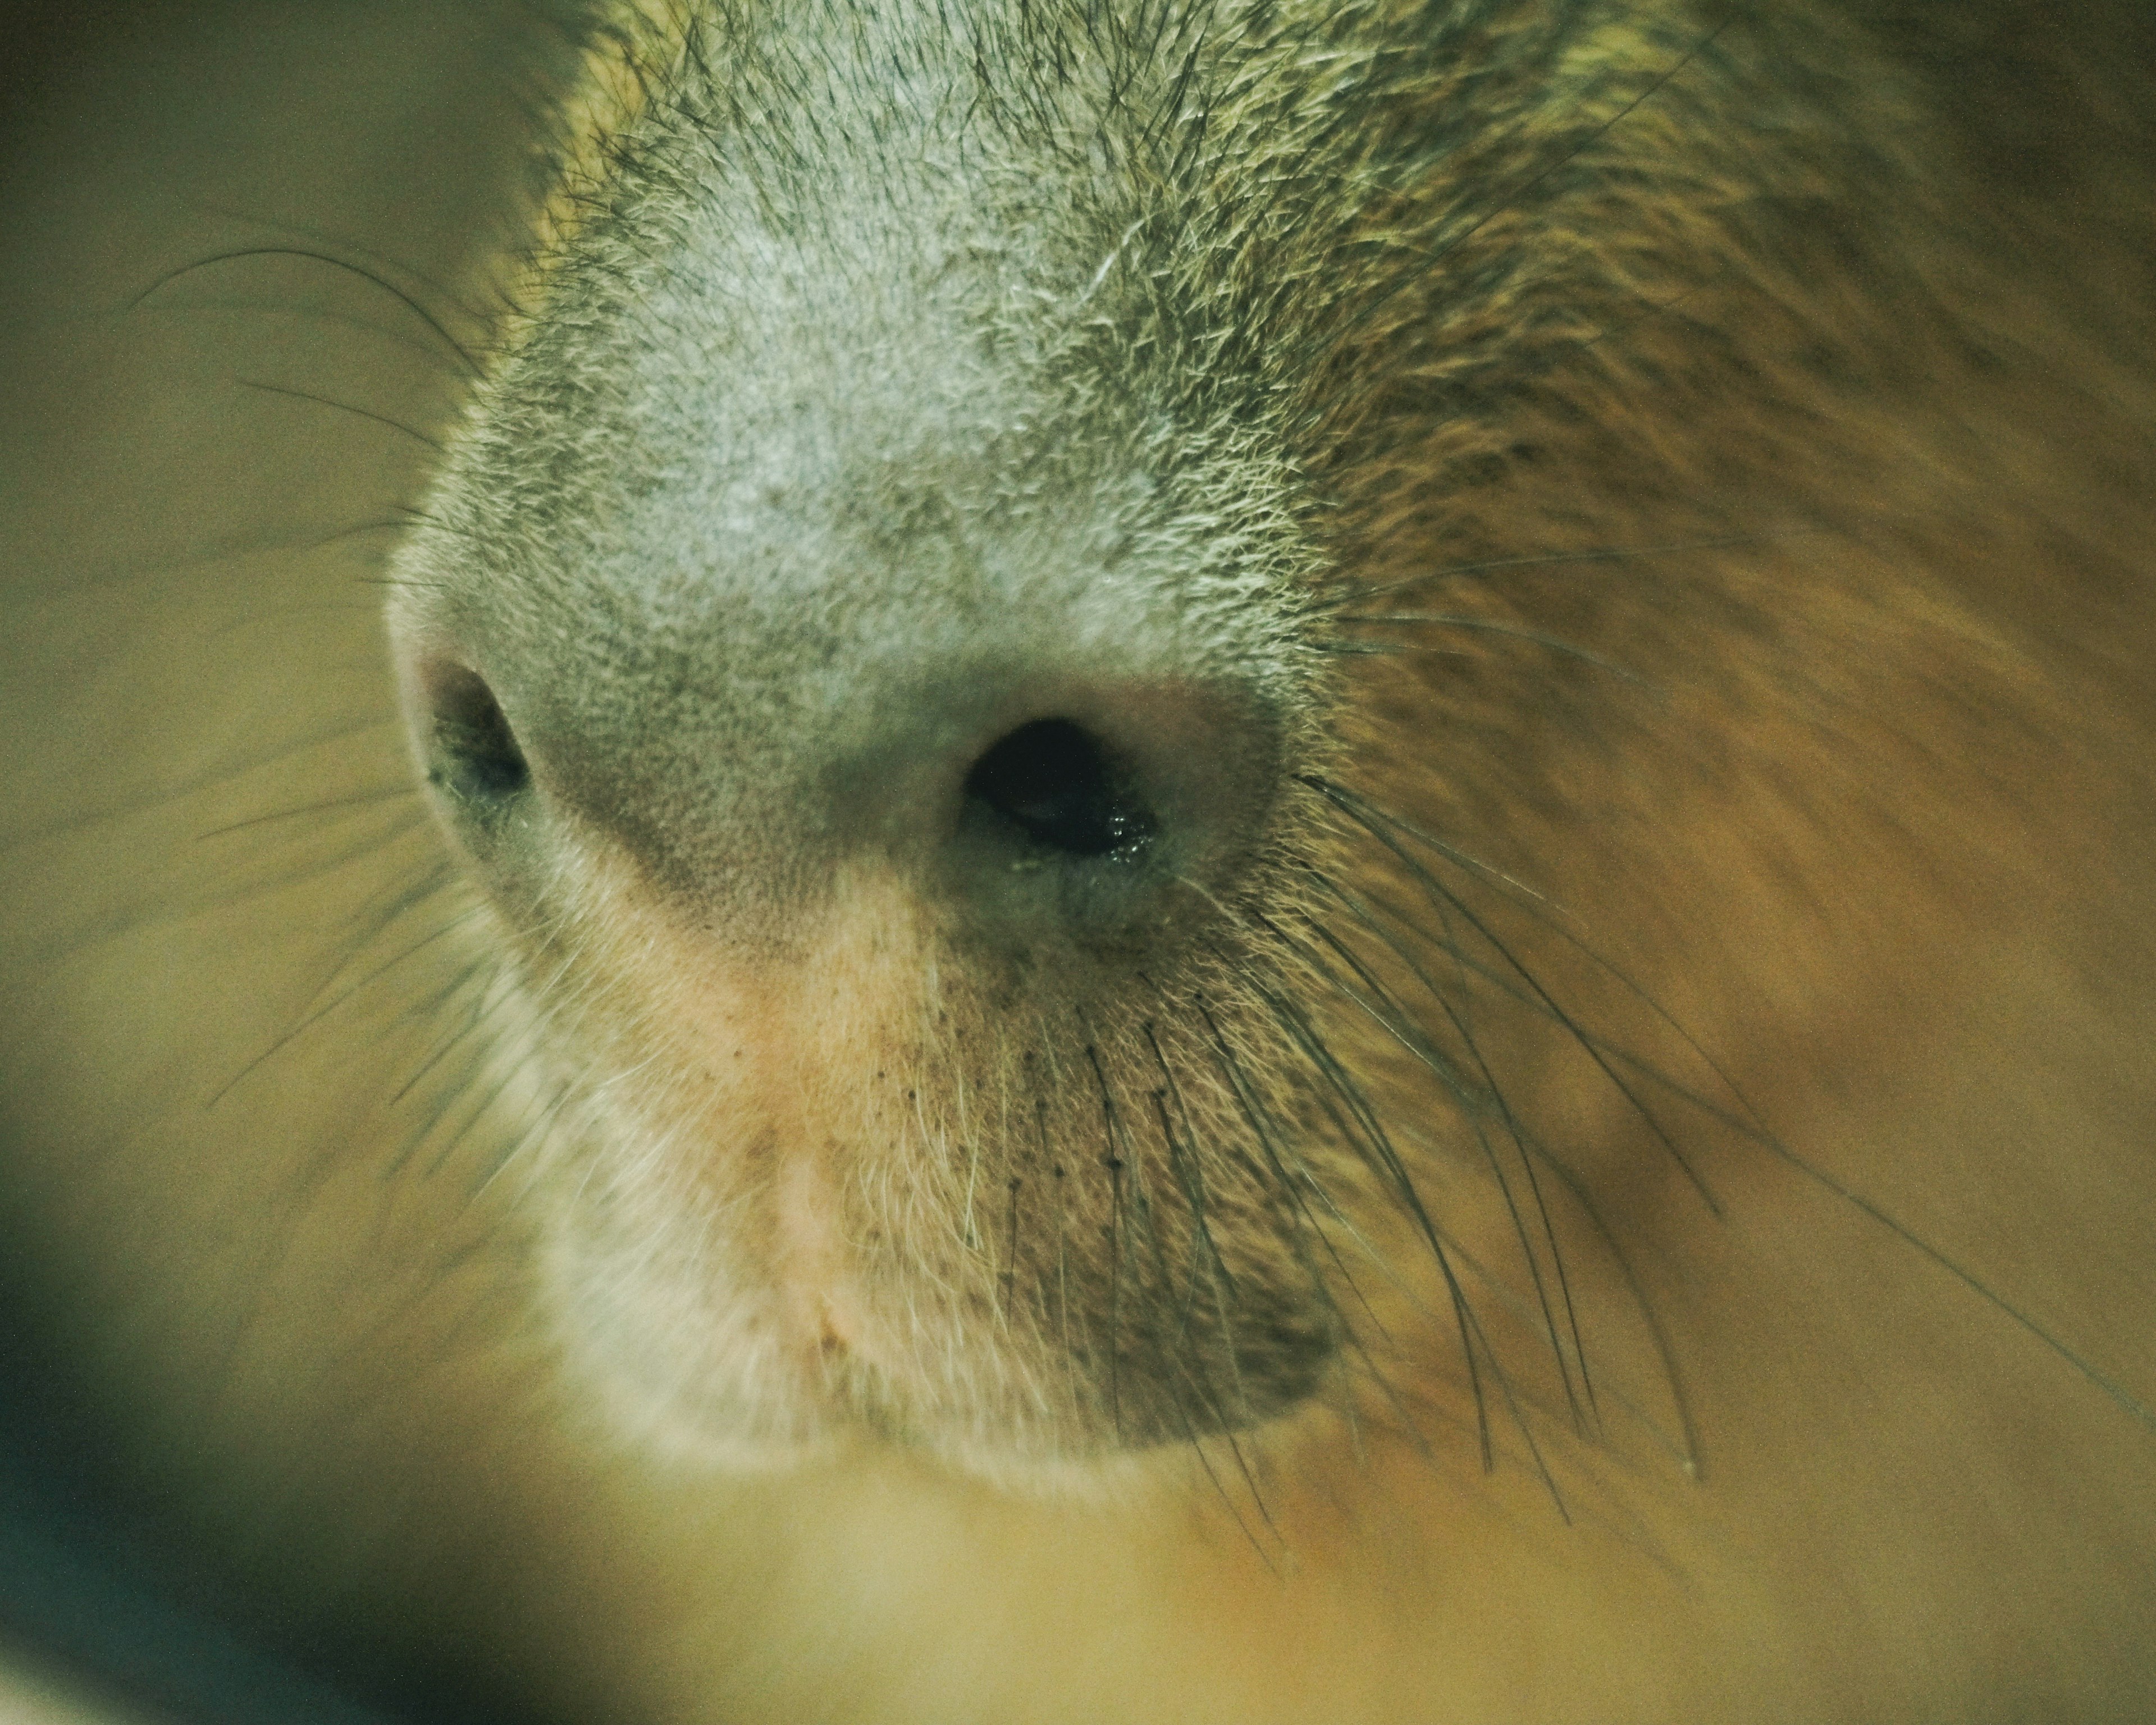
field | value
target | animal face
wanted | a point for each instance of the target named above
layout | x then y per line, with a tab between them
1304	836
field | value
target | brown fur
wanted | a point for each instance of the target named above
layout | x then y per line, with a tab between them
1789	734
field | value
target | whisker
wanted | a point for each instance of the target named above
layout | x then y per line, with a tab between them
1486	626
2110	1386
345	406
1685	1448
1540	908
447	1044
1299	1186
1609	1058
1114	1164
1367	1135
1454	1006
359	799
1393	1018
1377	829
464	356
226	772
315	1018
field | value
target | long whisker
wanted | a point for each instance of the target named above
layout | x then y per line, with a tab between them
1377	829
1484	625
464	356
1379	1004
345	407
1300	1187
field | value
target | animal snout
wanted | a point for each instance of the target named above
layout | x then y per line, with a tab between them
1024	803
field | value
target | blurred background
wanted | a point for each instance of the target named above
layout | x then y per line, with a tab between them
174	480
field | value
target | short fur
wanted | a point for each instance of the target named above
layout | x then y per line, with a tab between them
1595	1166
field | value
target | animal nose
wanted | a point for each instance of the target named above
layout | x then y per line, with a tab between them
1027	805
1052	784
1120	817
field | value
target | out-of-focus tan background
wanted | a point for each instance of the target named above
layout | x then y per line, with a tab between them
167	490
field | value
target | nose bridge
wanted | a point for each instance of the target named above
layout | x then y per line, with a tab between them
1030	740
814	587
836	706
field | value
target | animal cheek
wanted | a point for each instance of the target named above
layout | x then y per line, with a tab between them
755	1057
757	1093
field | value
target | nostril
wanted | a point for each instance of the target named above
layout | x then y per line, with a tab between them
474	751
1053	780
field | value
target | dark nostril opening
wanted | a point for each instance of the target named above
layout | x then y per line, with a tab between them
1053	780
476	752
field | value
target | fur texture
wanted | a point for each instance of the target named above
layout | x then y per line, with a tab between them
1577	1148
